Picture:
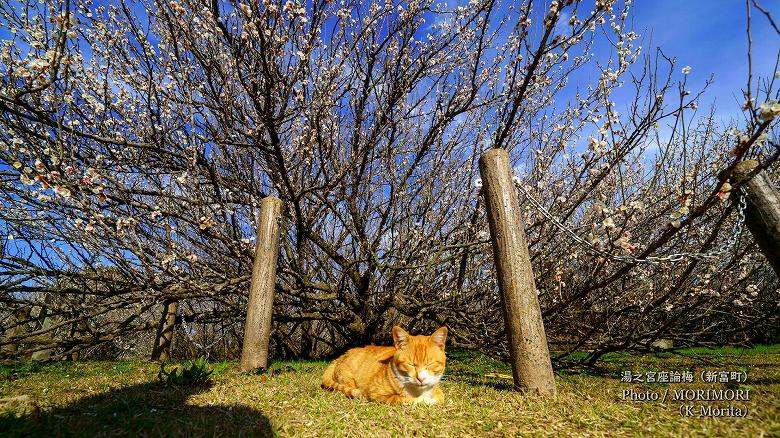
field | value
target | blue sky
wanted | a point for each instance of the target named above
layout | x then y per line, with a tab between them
710	36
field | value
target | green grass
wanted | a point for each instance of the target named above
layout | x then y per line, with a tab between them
125	399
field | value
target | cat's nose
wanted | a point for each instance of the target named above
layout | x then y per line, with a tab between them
420	380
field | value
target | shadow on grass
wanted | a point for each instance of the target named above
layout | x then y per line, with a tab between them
149	409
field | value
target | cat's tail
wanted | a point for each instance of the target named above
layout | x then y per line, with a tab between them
329	382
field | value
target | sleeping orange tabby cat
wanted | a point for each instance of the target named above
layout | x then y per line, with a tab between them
408	372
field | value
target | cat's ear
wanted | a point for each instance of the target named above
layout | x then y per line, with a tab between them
439	337
400	337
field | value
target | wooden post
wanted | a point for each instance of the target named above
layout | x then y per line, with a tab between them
531	366
762	212
163	341
257	329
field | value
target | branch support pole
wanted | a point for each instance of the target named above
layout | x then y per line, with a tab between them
257	328
163	340
531	366
762	212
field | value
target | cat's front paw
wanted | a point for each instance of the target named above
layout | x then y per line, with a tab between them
425	400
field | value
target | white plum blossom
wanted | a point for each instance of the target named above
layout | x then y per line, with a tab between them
596	145
769	110
62	191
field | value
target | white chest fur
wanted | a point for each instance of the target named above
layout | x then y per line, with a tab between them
426	397
420	394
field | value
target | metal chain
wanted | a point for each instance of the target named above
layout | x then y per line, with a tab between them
715	254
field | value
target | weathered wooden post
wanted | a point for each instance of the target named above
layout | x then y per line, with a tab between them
163	341
531	366
257	329
762	212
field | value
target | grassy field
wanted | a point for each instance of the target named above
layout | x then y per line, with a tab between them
125	399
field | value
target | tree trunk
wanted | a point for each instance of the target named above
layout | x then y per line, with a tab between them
48	322
257	328
531	366
306	339
163	342
762	212
19	327
76	330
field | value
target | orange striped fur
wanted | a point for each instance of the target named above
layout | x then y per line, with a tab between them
408	372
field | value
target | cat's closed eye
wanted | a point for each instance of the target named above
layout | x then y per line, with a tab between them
435	367
406	367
